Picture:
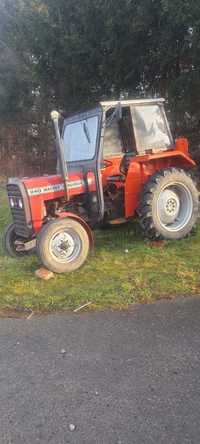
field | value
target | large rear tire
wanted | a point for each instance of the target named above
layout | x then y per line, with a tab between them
63	245
9	238
169	205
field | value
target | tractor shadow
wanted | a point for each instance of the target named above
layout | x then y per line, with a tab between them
118	237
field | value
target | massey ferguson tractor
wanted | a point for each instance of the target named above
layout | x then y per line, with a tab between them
115	162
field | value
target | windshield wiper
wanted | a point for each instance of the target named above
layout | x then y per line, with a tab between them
86	131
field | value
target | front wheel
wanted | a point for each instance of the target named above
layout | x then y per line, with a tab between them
169	205
63	245
9	242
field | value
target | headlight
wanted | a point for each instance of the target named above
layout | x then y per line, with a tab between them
16	202
12	203
20	203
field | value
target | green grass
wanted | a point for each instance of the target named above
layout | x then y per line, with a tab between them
111	277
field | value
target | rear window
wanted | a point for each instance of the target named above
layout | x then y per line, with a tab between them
150	127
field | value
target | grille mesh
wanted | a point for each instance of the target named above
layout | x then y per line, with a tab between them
18	214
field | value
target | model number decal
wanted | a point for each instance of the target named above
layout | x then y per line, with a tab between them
54	188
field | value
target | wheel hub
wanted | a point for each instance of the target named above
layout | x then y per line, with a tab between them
169	206
63	246
175	206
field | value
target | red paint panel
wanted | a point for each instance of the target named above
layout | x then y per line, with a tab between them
37	190
133	187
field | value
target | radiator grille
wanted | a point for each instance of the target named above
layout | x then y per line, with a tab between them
19	215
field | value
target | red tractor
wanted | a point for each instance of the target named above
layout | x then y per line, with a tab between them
115	162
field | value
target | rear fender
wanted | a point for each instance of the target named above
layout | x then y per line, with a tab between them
143	167
177	157
66	214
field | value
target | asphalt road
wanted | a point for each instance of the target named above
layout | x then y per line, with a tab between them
124	377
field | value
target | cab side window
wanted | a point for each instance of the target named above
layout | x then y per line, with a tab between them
112	139
119	135
126	131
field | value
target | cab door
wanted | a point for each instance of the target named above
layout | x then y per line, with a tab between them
82	142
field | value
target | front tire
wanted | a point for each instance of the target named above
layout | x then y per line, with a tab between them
63	245
9	238
169	205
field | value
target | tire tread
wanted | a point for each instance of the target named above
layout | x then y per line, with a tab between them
145	206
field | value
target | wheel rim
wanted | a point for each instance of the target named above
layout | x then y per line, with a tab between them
174	207
65	246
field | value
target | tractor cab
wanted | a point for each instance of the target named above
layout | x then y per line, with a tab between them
105	138
128	126
108	136
133	126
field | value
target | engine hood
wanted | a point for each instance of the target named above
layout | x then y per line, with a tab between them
48	185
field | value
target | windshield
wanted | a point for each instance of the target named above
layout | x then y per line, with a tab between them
80	139
151	131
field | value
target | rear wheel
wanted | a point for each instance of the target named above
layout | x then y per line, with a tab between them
169	205
9	245
63	245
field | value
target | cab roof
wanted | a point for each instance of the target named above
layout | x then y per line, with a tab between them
112	103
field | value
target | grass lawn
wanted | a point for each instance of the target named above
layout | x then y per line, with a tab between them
111	277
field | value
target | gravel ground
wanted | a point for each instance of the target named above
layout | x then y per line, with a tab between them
108	378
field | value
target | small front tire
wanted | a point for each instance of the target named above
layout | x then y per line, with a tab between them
63	245
9	238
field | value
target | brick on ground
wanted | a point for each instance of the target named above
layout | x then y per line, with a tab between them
43	273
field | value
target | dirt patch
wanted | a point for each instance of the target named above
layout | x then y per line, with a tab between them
16	313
